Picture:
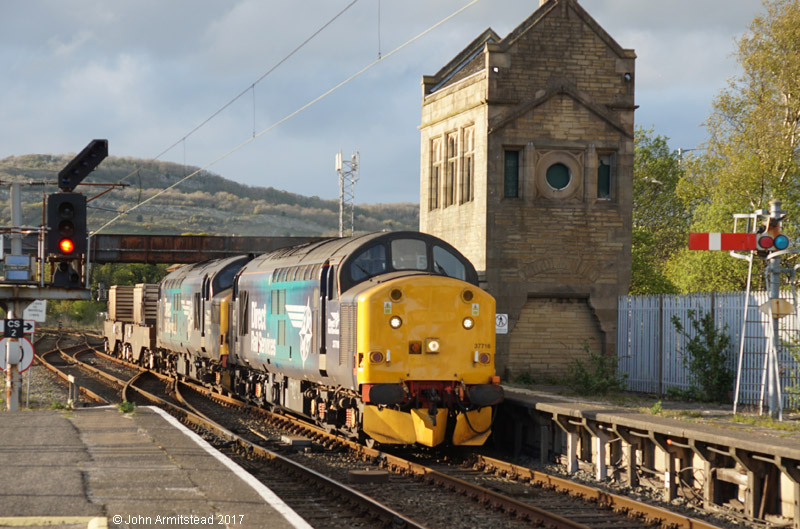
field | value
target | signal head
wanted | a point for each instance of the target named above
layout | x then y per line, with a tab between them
66	223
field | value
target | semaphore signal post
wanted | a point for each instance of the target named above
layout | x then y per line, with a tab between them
764	239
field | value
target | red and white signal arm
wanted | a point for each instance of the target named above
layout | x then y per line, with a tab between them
741	242
26	352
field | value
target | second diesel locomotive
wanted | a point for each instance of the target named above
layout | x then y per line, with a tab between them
385	336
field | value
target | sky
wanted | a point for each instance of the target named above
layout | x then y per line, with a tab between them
145	73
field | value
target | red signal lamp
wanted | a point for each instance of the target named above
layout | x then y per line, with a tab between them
66	245
765	242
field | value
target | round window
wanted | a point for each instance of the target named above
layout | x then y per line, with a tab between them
558	176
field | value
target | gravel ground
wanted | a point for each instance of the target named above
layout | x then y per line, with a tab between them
41	389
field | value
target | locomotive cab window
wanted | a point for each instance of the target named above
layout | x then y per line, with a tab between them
224	279
446	263
369	263
409	254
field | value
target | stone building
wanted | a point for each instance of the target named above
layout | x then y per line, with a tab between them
526	167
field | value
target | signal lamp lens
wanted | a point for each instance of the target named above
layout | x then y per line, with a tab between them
468	323
66	227
431	345
484	358
66	210
781	242
396	294
467	296
395	322
376	357
66	245
414	348
765	242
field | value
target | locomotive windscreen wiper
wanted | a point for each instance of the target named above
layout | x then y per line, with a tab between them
439	270
363	270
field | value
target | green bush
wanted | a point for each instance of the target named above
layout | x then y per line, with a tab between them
706	356
596	376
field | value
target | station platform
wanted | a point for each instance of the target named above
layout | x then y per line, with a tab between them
704	423
99	467
682	452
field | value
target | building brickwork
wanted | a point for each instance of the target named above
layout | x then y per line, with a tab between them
526	167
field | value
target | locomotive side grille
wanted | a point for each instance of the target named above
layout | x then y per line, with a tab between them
347	347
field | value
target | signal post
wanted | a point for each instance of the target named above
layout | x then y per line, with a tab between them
767	242
62	243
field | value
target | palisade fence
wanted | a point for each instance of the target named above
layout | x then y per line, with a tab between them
650	349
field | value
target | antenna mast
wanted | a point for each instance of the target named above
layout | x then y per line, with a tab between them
348	171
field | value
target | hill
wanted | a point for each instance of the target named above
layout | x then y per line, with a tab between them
206	203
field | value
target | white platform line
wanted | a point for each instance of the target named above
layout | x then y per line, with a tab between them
270	497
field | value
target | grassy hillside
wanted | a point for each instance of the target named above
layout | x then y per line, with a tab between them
206	203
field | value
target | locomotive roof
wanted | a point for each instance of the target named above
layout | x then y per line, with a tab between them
335	248
342	250
203	268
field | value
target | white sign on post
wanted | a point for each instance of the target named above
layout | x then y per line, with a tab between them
36	311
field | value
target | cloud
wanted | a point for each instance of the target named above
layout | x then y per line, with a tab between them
143	73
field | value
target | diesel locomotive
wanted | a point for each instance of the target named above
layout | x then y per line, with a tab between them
385	337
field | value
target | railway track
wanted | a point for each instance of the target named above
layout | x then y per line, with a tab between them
505	495
97	378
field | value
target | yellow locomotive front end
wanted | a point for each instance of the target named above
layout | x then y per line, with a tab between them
425	361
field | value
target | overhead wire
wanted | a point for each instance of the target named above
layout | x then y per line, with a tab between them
251	86
293	114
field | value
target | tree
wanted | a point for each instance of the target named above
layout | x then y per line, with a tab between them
660	220
753	148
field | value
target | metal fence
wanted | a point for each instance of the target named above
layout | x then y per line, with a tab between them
651	351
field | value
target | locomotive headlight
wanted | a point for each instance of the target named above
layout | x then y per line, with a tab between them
431	345
468	323
395	322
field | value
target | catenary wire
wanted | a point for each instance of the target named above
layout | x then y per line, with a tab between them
251	86
290	116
